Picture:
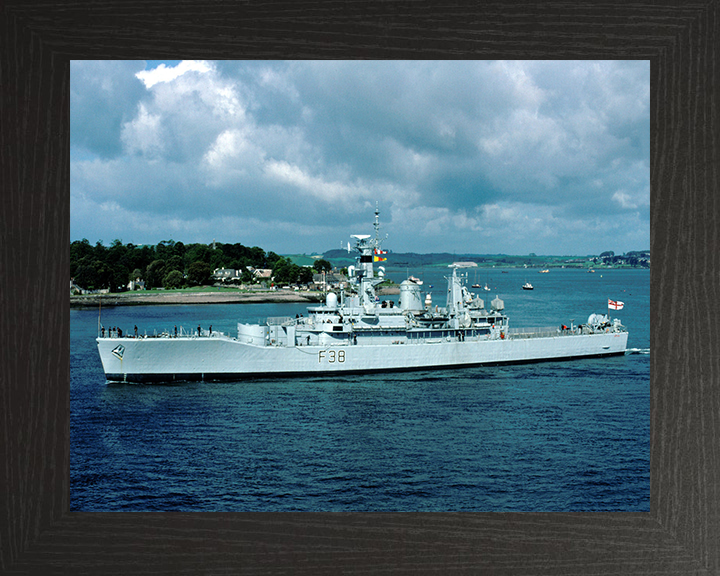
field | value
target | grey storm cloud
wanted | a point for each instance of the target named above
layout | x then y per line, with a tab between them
103	96
472	156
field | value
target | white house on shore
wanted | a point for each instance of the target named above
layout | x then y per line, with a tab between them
225	274
329	281
230	274
136	284
75	289
262	273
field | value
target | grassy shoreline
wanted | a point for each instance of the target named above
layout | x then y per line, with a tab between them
205	296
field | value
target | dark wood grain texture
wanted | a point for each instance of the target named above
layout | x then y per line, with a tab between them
38	534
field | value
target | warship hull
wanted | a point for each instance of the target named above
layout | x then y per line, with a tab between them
223	358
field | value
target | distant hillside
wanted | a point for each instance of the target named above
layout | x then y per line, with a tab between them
303	259
636	259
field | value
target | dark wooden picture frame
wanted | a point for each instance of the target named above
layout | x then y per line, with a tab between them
680	534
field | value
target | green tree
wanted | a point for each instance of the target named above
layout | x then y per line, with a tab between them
280	270
285	272
247	277
119	278
104	276
292	273
199	273
256	257
174	263
87	273
305	276
322	265
173	279
217	258
154	274
80	249
197	253
273	259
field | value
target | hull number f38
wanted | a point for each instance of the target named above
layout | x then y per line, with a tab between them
331	356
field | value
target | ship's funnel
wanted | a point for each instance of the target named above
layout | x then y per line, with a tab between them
410	297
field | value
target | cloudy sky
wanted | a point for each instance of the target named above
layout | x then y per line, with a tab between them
551	157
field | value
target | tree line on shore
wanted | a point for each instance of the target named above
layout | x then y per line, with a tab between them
171	264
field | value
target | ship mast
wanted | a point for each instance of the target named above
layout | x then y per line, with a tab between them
365	275
377	227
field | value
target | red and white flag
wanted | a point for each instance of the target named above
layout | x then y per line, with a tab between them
615	304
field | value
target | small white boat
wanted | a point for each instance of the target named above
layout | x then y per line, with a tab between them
527	286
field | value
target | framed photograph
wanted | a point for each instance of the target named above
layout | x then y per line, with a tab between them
59	521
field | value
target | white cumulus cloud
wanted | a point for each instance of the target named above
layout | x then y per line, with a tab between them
169	73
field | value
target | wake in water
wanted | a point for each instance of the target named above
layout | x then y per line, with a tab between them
637	351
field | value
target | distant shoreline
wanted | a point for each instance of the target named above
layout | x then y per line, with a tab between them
205	297
159	298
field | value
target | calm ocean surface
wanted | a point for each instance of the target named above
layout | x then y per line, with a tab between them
551	436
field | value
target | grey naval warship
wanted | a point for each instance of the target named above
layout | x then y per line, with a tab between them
353	332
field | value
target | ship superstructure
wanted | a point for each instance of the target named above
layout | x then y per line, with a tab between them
356	332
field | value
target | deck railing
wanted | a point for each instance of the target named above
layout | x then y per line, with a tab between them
545	332
281	321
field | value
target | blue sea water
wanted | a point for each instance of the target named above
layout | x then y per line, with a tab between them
551	436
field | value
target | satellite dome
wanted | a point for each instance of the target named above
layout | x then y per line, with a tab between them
331	301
